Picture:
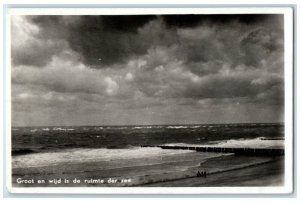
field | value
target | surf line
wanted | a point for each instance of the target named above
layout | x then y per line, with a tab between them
241	151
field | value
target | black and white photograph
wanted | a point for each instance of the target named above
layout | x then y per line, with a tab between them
150	100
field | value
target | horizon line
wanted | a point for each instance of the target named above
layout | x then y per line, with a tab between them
185	124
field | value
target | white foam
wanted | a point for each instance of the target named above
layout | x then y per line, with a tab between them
176	127
239	143
142	127
90	155
64	129
33	130
195	126
250	143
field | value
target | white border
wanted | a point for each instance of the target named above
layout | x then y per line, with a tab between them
145	11
288	58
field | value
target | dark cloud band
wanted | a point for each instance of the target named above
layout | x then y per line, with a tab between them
202	64
106	40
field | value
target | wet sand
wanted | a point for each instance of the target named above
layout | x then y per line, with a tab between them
229	170
266	174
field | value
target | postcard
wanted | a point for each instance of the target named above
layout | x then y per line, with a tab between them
149	100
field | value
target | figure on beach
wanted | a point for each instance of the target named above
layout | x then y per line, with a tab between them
202	174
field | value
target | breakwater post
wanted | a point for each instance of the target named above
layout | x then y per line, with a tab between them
238	151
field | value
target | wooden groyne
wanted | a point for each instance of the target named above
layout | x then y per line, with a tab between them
272	138
239	151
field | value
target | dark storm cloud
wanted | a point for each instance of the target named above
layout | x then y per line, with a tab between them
114	39
234	44
111	39
195	20
138	64
102	41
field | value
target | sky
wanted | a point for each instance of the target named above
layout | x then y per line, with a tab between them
146	69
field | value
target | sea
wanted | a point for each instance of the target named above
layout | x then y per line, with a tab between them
84	156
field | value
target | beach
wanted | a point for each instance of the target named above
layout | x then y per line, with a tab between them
172	170
116	157
266	174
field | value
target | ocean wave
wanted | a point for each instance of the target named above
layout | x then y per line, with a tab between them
34	130
63	129
143	127
92	155
260	142
177	127
196	126
96	128
156	164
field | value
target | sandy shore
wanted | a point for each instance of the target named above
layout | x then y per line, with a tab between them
266	174
222	171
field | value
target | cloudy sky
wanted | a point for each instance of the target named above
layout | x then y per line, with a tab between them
167	69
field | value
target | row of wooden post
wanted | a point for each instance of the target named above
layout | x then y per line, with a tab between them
241	151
